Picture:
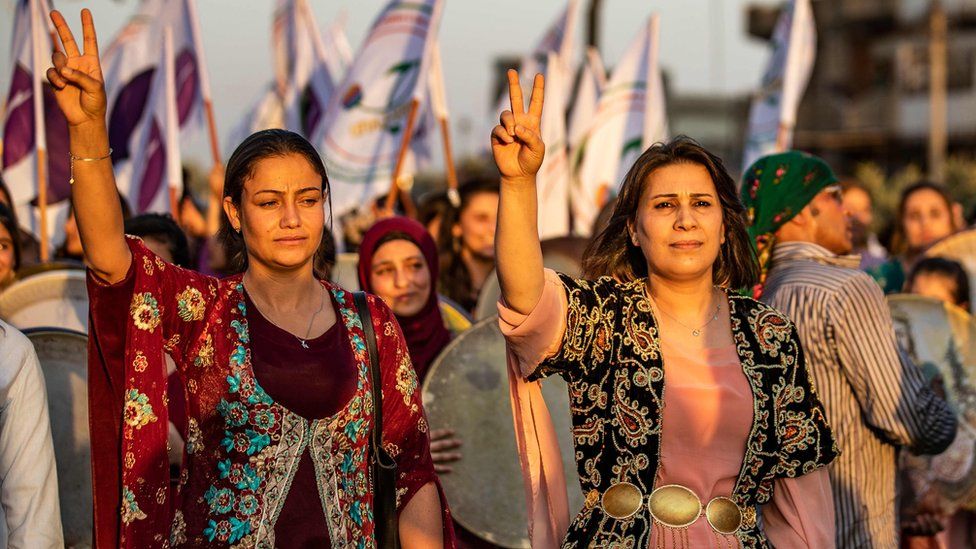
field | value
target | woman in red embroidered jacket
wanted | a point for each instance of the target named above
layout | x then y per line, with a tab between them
273	361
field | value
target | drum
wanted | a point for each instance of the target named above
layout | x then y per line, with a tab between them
467	390
563	255
941	339
960	247
63	357
57	298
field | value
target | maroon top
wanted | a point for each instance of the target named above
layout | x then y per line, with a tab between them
314	383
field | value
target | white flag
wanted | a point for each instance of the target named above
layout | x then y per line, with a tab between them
265	112
157	178
552	181
630	117
772	117
32	121
592	81
362	133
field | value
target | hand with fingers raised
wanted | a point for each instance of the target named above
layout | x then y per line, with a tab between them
77	75
516	142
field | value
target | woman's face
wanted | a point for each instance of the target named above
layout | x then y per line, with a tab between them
400	276
679	225
927	219
476	225
7	266
281	214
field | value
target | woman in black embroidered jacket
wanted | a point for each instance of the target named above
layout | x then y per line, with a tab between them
732	453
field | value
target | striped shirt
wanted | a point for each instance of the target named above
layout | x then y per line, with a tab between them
876	399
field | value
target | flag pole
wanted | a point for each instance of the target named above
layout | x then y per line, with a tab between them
391	197
208	108
40	142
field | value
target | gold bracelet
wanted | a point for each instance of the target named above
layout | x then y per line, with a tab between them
71	163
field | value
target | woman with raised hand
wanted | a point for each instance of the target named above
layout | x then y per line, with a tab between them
274	362
739	432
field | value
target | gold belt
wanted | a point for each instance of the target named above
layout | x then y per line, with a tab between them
674	506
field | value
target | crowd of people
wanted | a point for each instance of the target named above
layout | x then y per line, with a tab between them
232	404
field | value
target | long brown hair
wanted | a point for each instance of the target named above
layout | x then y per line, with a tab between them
612	253
899	241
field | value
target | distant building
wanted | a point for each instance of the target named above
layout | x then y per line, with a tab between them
868	95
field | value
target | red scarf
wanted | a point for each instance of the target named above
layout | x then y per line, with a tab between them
424	332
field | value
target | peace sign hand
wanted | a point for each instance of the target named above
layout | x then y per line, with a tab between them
77	76
516	142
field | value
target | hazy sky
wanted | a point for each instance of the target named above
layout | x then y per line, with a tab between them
704	47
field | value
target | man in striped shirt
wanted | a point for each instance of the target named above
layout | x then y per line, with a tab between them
876	399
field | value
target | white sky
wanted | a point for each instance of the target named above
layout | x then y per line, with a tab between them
704	47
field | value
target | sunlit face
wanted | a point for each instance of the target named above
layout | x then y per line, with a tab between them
476	225
400	276
927	219
679	225
832	224
6	256
934	285
281	215
857	202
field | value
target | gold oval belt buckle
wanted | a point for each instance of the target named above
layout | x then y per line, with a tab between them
621	500
723	515
674	506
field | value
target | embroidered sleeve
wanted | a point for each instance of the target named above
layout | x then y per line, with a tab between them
405	431
593	324
806	440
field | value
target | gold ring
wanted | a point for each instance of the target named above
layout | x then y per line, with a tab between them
621	500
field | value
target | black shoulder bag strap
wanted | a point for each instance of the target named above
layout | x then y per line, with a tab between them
382	466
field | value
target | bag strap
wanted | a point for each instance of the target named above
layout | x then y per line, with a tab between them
359	298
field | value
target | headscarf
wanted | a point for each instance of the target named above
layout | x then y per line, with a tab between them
424	332
774	189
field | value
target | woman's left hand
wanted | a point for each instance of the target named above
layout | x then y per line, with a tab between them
443	449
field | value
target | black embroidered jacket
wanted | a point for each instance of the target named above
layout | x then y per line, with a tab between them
611	359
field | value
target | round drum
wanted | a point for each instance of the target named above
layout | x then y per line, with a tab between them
63	355
467	390
57	298
941	339
960	247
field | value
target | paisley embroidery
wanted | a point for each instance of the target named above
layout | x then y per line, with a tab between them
130	509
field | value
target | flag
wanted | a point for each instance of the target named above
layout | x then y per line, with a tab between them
33	122
773	113
303	72
630	117
265	112
552	181
362	133
592	81
131	63
433	112
157	179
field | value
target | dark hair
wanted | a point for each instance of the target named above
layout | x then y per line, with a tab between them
164	228
899	244
259	146
454	279
948	268
612	252
9	221
431	206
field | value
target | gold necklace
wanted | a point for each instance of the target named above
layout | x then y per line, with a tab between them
694	331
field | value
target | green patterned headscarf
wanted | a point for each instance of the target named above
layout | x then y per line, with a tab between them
774	189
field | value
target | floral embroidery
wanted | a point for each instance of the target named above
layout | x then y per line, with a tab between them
139	363
130	460
145	311
130	509
190	304
194	438
137	411
147	265
204	358
177	535
406	379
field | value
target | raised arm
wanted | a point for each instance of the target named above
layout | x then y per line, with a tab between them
80	93
516	143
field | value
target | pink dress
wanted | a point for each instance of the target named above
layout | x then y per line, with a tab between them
707	418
